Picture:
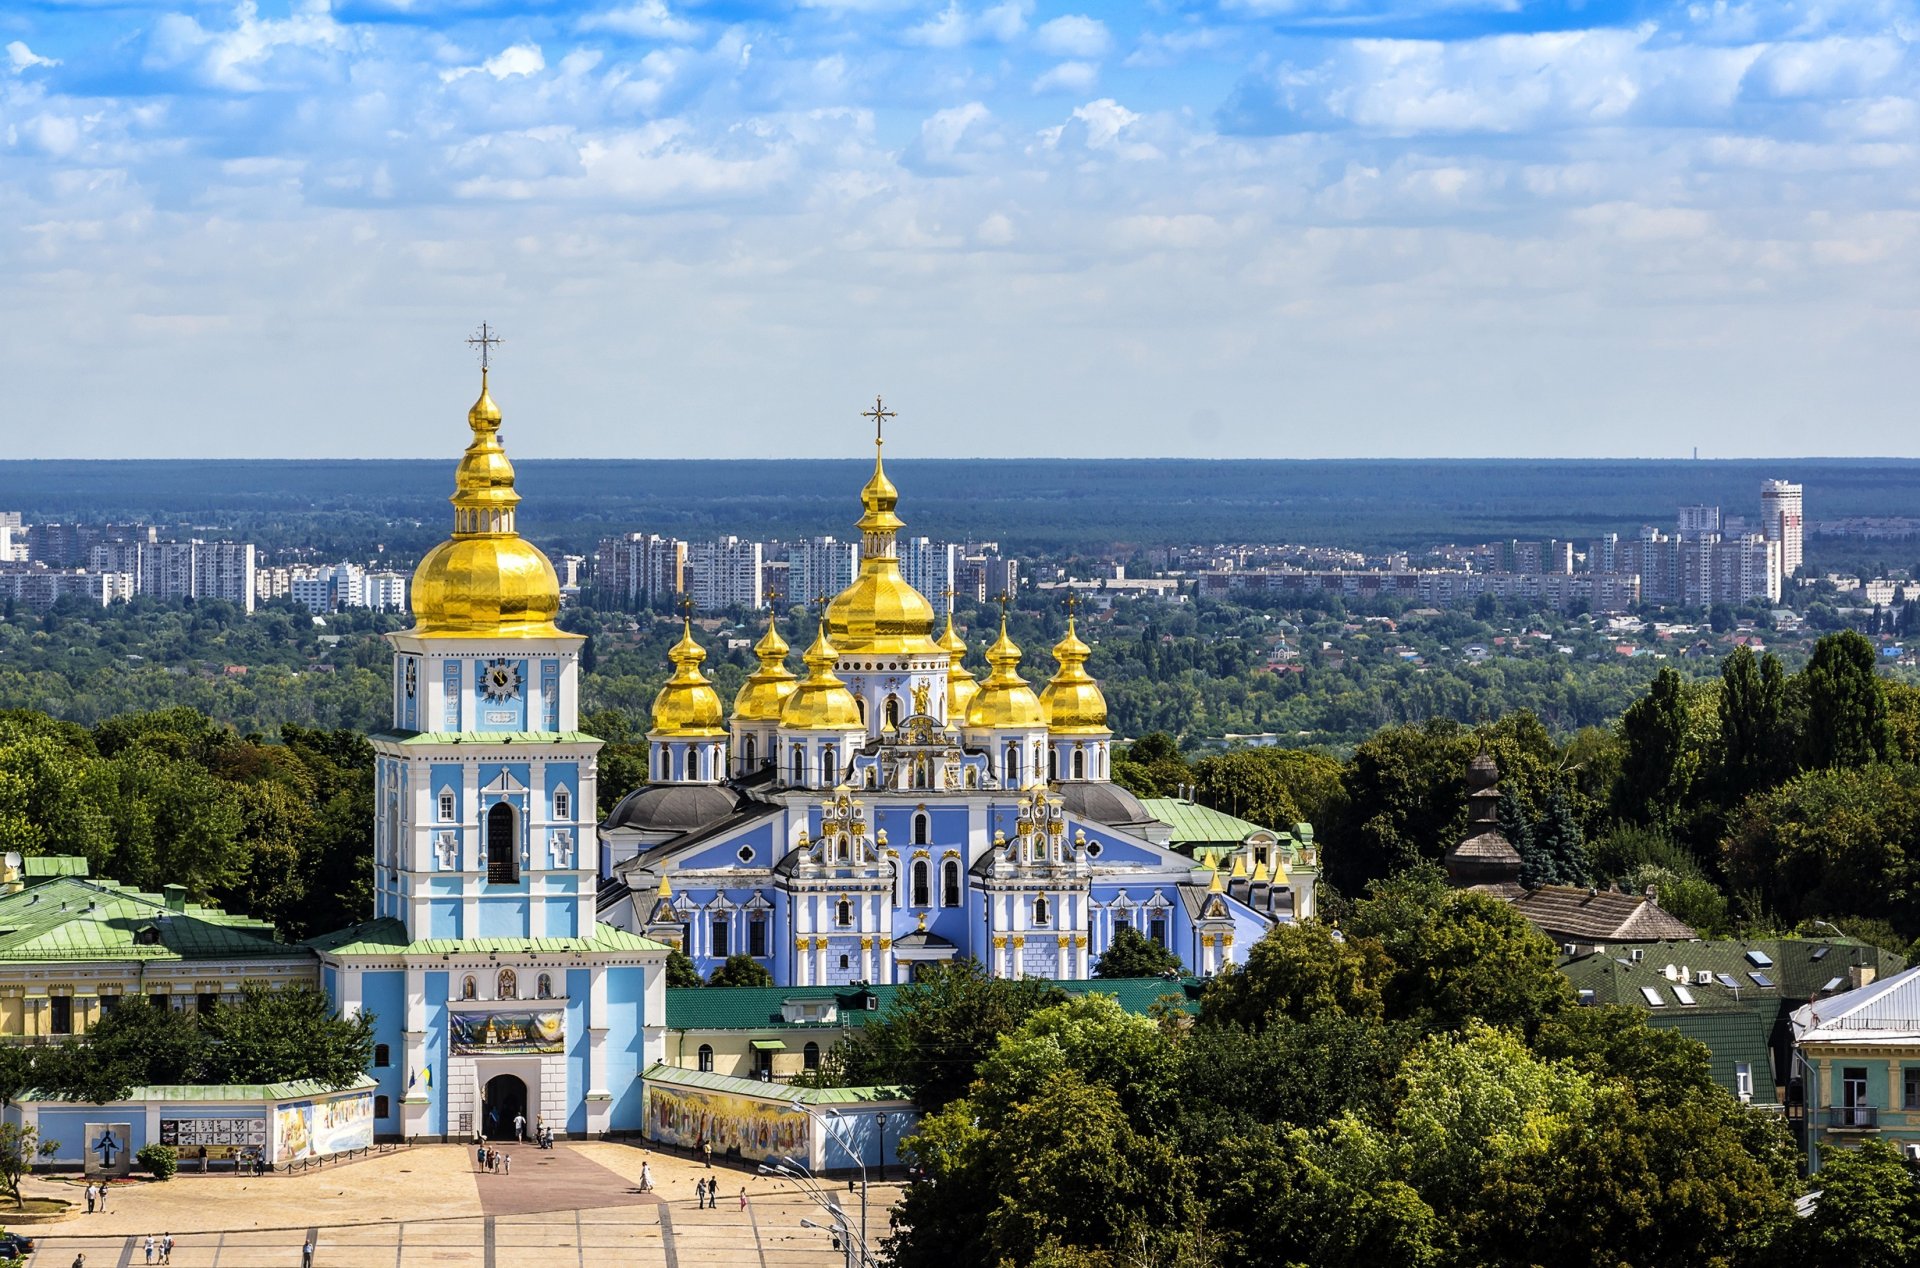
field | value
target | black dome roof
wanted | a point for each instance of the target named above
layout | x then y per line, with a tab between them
674	808
1105	803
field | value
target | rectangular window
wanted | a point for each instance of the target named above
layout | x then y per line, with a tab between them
757	936
1653	997
1157	930
446	806
719	932
205	1004
1853	1086
60	1015
108	1003
160	1002
562	805
1910	1088
1743	1080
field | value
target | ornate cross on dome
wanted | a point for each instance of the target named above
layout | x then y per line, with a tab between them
485	341
1073	602
686	606
1003	599
879	414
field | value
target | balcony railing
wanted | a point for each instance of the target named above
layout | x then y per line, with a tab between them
1854	1118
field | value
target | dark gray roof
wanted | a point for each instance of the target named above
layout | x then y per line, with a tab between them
1105	803
676	808
1569	914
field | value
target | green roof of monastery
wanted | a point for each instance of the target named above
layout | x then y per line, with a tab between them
69	917
387	937
759	1007
660	1072
45	866
1202	825
291	1090
486	737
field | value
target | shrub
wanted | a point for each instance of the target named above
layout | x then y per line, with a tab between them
161	1160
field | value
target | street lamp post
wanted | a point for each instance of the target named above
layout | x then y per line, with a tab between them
852	1152
809	1186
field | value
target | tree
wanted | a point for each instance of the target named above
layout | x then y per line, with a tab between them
681	970
1298	970
741	970
1615	1042
1846	714
1243	783
1653	730
1554	852
19	1147
1133	954
1753	737
271	1036
1867	1214
135	1045
1833	841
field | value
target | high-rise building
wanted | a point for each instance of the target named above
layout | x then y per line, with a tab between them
1780	514
930	567
724	573
638	570
1699	521
197	570
821	566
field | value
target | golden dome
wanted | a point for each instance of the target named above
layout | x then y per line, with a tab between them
765	692
485	581
687	705
1072	698
962	687
880	614
821	702
1005	701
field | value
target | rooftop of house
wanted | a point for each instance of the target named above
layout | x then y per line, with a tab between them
1194	824
388	937
1571	913
1668	975
706	1081
1884	1012
62	914
759	1008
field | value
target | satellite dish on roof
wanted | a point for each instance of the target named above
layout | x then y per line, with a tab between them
13	860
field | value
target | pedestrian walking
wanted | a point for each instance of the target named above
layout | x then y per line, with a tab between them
519	1126
80	1260
103	1197
506	1163
706	1151
480	1158
89	1199
743	1198
149	1247
306	1254
700	1194
646	1177
166	1248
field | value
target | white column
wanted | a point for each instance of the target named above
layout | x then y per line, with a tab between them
416	1102
597	1047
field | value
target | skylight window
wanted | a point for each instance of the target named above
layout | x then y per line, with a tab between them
1833	984
1653	997
1761	979
1684	995
1820	952
1726	980
1759	959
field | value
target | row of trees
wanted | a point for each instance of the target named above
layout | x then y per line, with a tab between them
1417	1088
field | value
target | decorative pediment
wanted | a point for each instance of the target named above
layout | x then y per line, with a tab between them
503	783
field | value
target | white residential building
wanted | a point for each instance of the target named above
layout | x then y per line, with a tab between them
724	573
821	566
1780	516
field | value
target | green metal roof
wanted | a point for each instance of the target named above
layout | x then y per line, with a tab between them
388	937
46	866
757	1008
486	737
1798	968
181	1093
1732	1038
1202	825
660	1072
68	917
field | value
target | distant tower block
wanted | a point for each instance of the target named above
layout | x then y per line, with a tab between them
1780	514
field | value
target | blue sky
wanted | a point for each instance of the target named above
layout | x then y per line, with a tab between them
1222	227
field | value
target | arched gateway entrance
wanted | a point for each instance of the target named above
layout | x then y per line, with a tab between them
504	1100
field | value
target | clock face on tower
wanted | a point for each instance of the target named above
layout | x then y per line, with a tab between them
413	677
502	680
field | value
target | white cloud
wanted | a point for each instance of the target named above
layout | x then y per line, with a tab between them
1074	36
956	26
944	133
647	19
20	57
1072	77
253	51
516	60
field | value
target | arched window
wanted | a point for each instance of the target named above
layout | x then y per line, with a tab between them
1013	765
1053	765
706	1058
661	759
893	712
921	829
382	1107
751	752
843	961
507	986
921	871
843	914
382	1056
543	986
829	765
1040	913
1079	763
810	1055
950	883
503	858
469	989
860	702
798	773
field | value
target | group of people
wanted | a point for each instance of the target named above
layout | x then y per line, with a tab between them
708	1194
161	1246
487	1158
542	1134
96	1197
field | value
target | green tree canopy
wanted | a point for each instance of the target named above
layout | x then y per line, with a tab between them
1133	954
741	970
1846	713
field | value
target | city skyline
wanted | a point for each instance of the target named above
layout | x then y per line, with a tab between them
1255	228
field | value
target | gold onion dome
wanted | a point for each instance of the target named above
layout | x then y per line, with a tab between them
765	692
1072	698
880	614
485	581
687	705
962	687
1005	701
821	702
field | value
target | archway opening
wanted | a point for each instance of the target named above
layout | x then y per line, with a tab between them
504	1100
503	859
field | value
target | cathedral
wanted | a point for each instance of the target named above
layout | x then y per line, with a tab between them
497	993
887	809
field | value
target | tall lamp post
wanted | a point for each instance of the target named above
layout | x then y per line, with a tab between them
805	1181
852	1152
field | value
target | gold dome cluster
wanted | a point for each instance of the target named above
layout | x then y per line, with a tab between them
764	694
1072	699
821	702
1005	701
485	581
687	706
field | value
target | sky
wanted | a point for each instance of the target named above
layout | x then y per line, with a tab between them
713	228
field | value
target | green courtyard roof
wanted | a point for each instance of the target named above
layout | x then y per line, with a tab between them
69	917
196	1093
387	937
660	1072
1203	825
757	1008
484	738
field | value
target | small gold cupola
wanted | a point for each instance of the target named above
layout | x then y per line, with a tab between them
1005	700
764	694
687	705
1071	697
821	702
486	581
962	686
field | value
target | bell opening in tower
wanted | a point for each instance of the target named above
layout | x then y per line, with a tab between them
503	860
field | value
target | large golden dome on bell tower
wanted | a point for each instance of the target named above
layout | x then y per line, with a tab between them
880	614
486	581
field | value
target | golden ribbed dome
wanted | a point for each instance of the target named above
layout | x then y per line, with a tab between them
962	687
1071	697
687	705
821	702
765	692
1005	701
485	581
880	614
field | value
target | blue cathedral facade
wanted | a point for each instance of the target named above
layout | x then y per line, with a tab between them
887	809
